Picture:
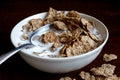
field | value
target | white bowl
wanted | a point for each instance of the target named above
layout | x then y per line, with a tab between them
59	65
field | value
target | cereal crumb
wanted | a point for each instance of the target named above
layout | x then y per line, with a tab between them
36	23
105	70
113	77
60	25
49	37
51	16
25	37
86	76
109	57
66	78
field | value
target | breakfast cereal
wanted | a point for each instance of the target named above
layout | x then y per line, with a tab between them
74	34
105	70
109	57
87	76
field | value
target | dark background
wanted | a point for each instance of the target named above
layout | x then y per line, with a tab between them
13	11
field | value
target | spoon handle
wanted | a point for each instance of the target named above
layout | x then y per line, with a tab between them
4	57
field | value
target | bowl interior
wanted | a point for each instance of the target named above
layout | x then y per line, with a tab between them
16	32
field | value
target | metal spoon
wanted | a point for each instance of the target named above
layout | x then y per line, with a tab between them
41	30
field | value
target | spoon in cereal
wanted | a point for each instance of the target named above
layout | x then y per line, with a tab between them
39	31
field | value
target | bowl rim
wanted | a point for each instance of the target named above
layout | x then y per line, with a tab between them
64	58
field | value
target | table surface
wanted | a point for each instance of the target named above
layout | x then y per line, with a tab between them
13	11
